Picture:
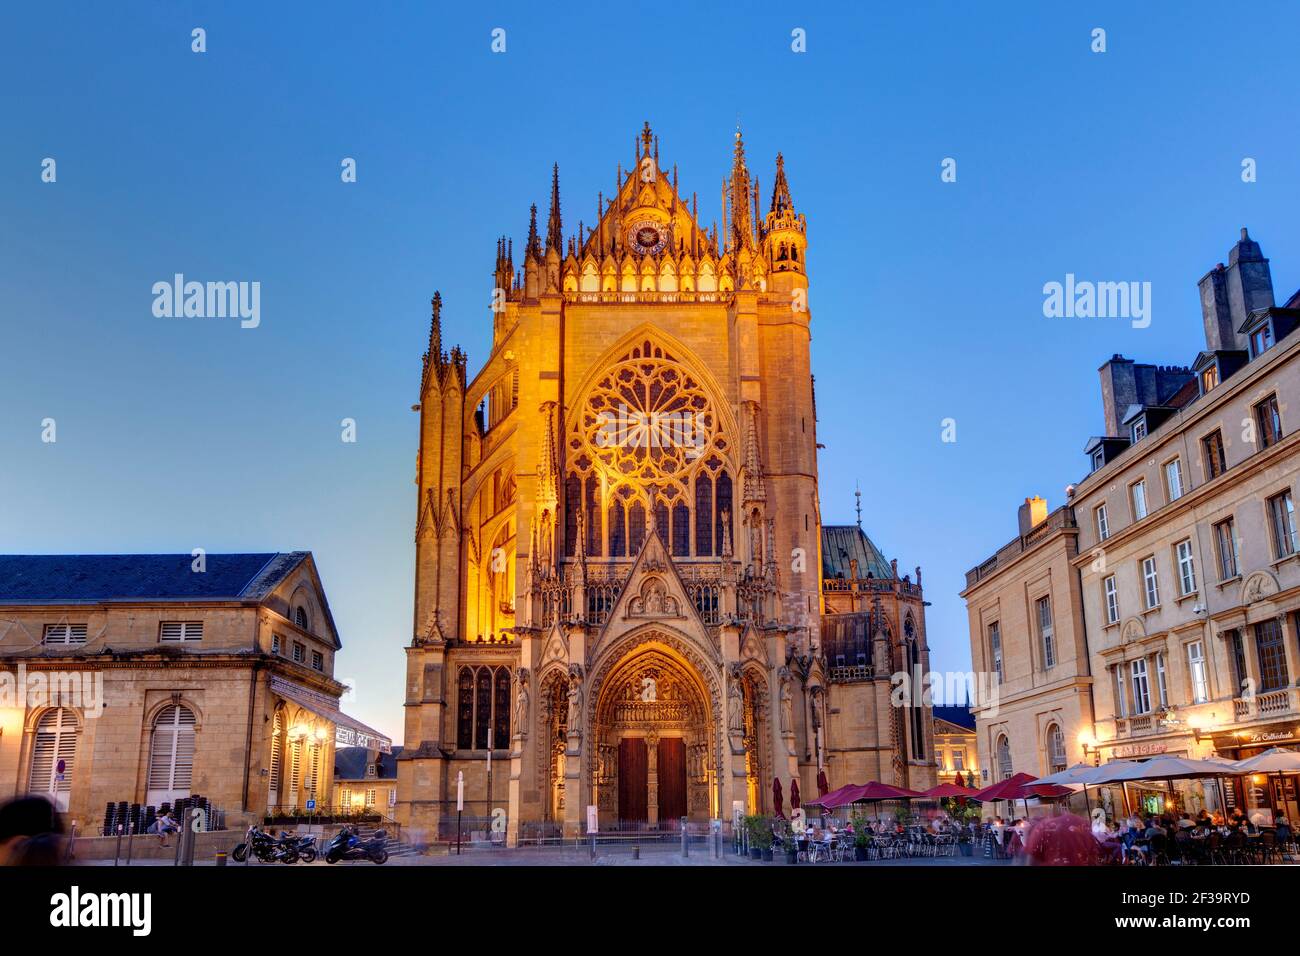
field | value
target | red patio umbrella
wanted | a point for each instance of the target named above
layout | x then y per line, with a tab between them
776	797
875	790
794	793
1008	789
823	785
950	790
831	800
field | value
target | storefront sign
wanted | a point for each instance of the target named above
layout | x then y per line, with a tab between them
1139	750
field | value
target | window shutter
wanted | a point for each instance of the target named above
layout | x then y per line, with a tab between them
177	631
56	739
65	634
171	754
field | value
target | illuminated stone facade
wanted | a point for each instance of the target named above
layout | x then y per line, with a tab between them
620	594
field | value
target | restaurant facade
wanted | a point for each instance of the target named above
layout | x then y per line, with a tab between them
1187	560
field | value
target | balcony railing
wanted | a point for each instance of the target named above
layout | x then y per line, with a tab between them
1271	704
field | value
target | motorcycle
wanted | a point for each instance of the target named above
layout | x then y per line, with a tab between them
348	845
269	849
307	848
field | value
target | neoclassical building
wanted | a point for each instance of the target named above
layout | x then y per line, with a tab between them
148	679
624	595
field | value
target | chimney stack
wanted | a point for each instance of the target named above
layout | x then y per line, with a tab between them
1032	513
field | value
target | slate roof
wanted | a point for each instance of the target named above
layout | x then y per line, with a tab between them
96	578
350	764
842	543
961	716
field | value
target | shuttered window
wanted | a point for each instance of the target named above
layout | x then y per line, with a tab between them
65	634
181	631
55	740
295	769
277	740
171	755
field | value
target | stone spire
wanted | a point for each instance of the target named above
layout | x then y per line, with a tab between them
781	200
534	247
554	233
742	230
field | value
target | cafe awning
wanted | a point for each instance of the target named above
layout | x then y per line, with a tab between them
348	731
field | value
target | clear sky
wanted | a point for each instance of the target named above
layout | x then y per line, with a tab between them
926	297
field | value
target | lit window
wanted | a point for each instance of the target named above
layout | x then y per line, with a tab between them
1261	340
1212	453
1209	378
1269	422
1196	668
1056	749
1141	686
1004	757
1160	679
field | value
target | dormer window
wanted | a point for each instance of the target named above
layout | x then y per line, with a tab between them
1261	340
1098	459
1209	378
1139	430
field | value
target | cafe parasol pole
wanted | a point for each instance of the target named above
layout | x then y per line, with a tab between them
460	804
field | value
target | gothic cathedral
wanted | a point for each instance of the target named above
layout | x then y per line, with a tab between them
625	597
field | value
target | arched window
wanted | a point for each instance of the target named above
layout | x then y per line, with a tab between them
635	527
1055	748
55	742
723	504
1004	757
501	709
661	522
300	617
572	505
594	548
171	755
277	760
617	531
681	530
917	710
482	707
465	709
704	516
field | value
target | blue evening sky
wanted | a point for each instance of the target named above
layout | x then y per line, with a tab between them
926	297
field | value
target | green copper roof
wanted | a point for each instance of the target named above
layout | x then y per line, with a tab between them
844	543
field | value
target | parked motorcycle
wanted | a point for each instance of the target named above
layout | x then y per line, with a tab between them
269	849
307	848
348	845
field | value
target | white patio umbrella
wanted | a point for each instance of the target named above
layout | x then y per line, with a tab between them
1170	768
1070	775
1273	760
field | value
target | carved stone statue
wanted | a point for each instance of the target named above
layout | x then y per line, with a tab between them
575	700
521	702
735	705
787	702
726	532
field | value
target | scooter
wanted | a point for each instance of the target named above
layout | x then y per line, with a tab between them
347	845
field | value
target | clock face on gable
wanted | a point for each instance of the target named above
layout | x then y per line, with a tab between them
647	237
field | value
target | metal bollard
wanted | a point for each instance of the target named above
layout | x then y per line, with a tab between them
221	858
117	847
686	851
130	841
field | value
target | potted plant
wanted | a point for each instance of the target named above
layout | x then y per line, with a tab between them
789	843
759	835
861	837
